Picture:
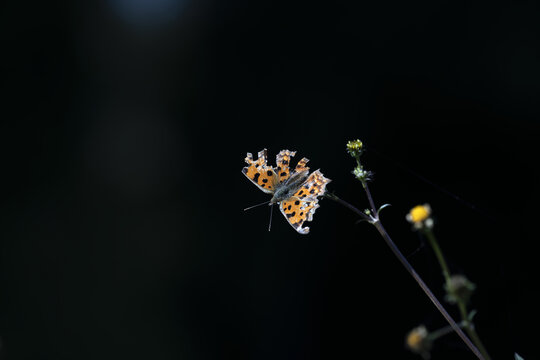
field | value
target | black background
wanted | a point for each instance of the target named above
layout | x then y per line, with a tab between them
124	129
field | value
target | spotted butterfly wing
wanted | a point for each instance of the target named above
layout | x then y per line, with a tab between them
260	173
283	159
300	207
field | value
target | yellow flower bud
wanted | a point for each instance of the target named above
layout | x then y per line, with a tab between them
418	342
419	216
355	148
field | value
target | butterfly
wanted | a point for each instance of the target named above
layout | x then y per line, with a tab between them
295	191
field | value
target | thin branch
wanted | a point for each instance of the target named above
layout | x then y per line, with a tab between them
375	221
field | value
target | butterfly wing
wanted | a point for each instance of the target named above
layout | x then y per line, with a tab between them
301	166
260	173
283	159
300	207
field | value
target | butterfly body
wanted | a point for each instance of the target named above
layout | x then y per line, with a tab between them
295	191
286	189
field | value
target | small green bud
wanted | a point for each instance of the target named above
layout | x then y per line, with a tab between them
362	174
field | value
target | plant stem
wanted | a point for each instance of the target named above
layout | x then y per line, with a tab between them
347	205
469	328
382	231
434	335
370	199
438	253
378	225
462	306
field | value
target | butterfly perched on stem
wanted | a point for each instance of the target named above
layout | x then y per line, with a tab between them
295	191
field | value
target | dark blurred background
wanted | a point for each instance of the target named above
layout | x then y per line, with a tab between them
124	129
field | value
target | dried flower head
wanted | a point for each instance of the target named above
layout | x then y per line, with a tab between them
459	288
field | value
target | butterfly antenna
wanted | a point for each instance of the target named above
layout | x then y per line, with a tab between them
251	207
271	212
